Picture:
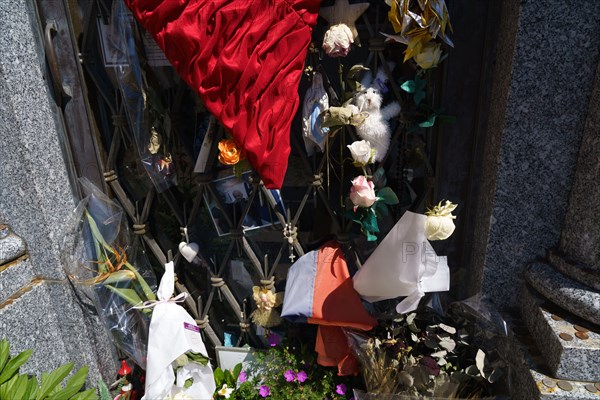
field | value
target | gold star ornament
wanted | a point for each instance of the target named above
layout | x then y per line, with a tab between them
342	12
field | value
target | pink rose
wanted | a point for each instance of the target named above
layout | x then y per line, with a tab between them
362	193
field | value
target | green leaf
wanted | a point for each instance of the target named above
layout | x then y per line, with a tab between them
419	96
20	387
388	196
49	381
142	283
127	294
219	377
236	372
408	86
119	276
197	358
31	390
429	122
229	378
4	353
13	365
6	388
103	391
74	385
89	394
355	70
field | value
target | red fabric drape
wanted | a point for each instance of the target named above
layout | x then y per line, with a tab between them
245	59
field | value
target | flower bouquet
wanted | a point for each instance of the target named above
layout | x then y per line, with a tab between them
433	355
95	253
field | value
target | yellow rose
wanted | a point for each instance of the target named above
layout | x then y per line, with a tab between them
229	154
429	57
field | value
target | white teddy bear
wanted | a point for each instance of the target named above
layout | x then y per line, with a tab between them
375	128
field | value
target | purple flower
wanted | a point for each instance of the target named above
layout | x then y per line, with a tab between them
242	377
301	376
341	389
274	339
289	375
264	391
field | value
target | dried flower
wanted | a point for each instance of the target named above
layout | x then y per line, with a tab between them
337	40
229	153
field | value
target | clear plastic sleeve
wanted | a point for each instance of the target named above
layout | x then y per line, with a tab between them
96	253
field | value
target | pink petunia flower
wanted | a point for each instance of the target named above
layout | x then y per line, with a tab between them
301	376
289	375
341	389
242	377
264	391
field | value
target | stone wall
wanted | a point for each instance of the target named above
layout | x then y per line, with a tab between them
38	309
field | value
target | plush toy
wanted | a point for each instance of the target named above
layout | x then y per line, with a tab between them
266	300
375	128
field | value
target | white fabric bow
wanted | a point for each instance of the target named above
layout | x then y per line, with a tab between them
174	332
404	264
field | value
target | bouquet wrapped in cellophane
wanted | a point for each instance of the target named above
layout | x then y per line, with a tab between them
107	266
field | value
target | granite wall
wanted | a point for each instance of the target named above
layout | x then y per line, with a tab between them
546	61
38	309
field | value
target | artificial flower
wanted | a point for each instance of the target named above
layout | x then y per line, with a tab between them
341	389
225	391
229	153
362	152
242	377
362	193
439	224
264	391
337	40
289	375
429	56
301	376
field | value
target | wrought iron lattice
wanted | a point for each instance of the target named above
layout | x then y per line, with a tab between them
266	252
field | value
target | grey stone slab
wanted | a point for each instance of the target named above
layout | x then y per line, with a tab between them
580	236
575	359
12	246
44	317
575	270
14	276
534	134
570	295
530	373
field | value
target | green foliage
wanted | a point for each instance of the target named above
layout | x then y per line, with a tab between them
14	385
269	369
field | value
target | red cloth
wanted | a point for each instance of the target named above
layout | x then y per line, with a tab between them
245	59
335	305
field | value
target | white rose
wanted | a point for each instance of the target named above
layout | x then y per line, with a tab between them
337	40
362	152
439	224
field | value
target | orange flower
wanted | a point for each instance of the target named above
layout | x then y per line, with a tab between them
229	154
